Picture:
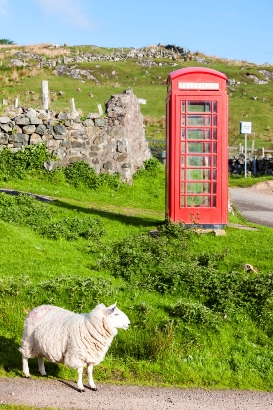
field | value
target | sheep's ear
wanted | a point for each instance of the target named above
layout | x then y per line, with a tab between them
109	310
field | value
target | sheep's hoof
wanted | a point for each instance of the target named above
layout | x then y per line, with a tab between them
93	388
81	390
27	376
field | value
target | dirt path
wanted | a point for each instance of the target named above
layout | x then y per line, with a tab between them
64	395
255	203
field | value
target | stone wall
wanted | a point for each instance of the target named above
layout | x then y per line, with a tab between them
114	142
256	165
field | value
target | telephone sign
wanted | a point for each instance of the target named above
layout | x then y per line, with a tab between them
245	127
197	147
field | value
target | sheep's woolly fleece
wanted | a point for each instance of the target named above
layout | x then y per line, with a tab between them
65	337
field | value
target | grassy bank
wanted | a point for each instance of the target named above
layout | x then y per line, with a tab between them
198	319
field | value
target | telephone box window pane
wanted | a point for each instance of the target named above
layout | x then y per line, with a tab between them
198	134
214	147
183	120
214	106
194	201
182	188
182	161
214	120
182	202
213	202
182	106
214	174
183	133
182	174
199	106
198	174
214	188
207	134
182	147
207	120
198	120
215	133
198	161
198	147
214	161
198	188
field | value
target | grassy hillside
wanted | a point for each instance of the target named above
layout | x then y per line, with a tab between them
147	83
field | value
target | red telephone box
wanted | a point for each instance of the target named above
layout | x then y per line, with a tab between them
197	147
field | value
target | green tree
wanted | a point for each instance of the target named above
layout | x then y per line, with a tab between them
6	41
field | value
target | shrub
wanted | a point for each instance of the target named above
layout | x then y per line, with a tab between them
73	228
195	313
25	210
16	165
152	263
80	173
151	167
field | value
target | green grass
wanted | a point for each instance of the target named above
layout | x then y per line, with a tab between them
198	320
241	181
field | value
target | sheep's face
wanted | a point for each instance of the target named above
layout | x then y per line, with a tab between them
118	319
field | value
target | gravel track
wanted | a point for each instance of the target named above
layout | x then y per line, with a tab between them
64	395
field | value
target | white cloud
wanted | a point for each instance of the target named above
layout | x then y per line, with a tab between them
68	10
3	8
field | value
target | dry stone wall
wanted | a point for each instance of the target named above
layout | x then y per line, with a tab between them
256	165
112	143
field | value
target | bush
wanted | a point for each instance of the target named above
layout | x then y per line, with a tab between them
25	210
80	173
73	228
151	168
16	165
151	263
76	293
195	313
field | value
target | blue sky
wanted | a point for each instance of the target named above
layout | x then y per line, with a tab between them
233	29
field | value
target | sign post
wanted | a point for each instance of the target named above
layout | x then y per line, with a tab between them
245	128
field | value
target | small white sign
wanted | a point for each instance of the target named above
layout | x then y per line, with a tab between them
198	86
245	127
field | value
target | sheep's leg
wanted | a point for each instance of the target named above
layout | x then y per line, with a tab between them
25	366
90	377
79	383
41	366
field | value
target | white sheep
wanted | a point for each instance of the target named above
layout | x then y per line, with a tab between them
74	339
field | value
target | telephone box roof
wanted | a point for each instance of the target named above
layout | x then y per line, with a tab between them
195	70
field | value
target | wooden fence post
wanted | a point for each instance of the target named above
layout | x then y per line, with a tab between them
100	109
72	105
45	99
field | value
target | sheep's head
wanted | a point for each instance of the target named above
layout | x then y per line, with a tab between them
117	318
